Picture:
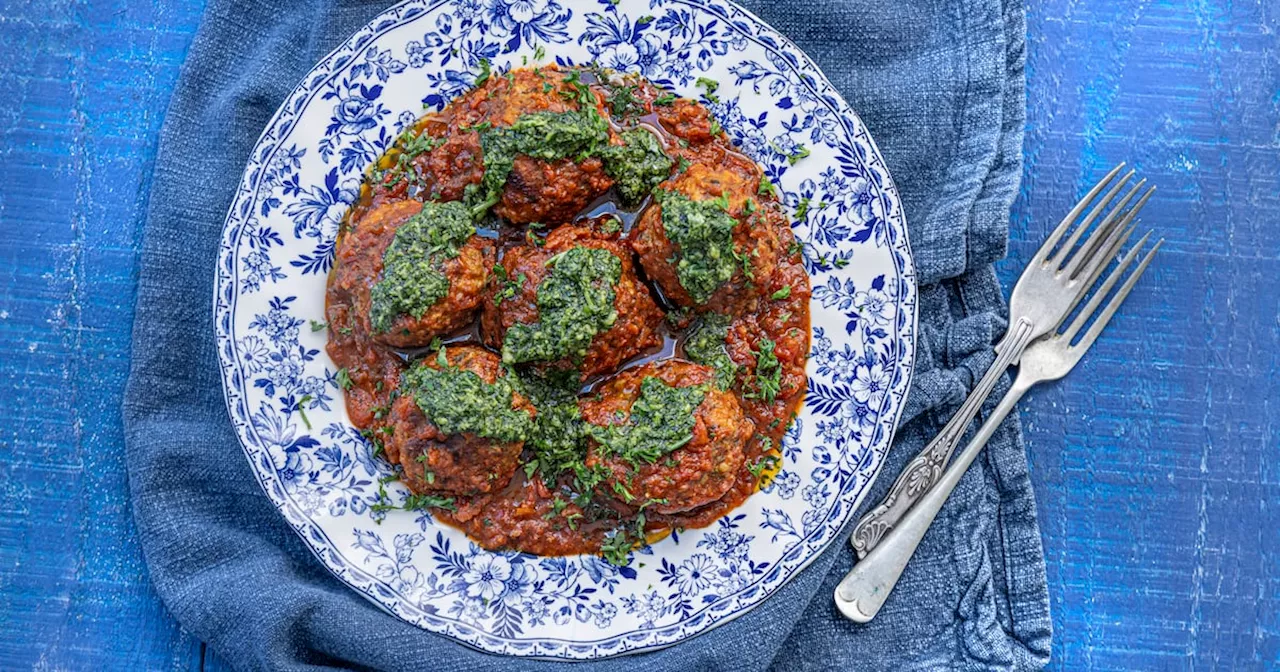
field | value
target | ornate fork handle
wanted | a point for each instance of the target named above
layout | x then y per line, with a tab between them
924	470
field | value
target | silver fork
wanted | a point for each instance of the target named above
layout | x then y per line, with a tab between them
866	587
1050	287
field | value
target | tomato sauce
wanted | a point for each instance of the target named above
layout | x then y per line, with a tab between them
771	304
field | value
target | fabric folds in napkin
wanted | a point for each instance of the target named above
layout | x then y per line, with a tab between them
940	85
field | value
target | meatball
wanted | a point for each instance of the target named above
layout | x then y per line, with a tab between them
686	119
636	418
468	394
708	240
551	307
420	291
541	191
450	158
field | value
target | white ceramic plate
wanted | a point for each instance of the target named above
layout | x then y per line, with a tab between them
277	248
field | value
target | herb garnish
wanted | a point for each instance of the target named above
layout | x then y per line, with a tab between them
623	101
802	209
798	153
317	326
765	464
705	345
768	376
638	165
766	187
575	302
410	282
710	85
411	502
703	234
303	411
510	286
484	72
458	401
781	294
548	136
660	421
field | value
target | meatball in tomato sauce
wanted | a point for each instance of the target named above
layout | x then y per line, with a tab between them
668	439
459	424
573	303
709	240
412	272
526	145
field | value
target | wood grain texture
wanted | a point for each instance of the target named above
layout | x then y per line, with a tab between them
1157	463
85	88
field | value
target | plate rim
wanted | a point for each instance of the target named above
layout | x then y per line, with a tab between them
571	650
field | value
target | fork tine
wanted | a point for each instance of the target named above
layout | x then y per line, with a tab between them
1111	252
1083	203
1112	306
1103	234
1083	316
1065	250
1095	265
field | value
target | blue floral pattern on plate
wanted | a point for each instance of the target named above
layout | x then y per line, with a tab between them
286	405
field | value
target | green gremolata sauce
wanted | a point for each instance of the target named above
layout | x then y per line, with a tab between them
411	281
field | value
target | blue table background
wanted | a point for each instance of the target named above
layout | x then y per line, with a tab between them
1156	464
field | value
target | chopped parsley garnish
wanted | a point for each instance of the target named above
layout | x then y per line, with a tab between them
665	99
703	235
705	345
411	282
539	53
660	421
762	466
317	326
617	547
484	72
766	187
768	376
781	294
575	302
510	286
578	90
619	543
798	153
622	100
302	411
802	209
458	401
375	441
418	502
710	86
344	379
411	502
638	165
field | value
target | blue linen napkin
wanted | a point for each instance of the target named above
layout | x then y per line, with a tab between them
940	85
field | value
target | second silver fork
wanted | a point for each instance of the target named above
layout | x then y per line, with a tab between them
1050	287
863	591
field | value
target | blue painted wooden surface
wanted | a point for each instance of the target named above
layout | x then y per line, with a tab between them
1157	463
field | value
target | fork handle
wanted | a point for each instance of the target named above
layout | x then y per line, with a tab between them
866	587
924	470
